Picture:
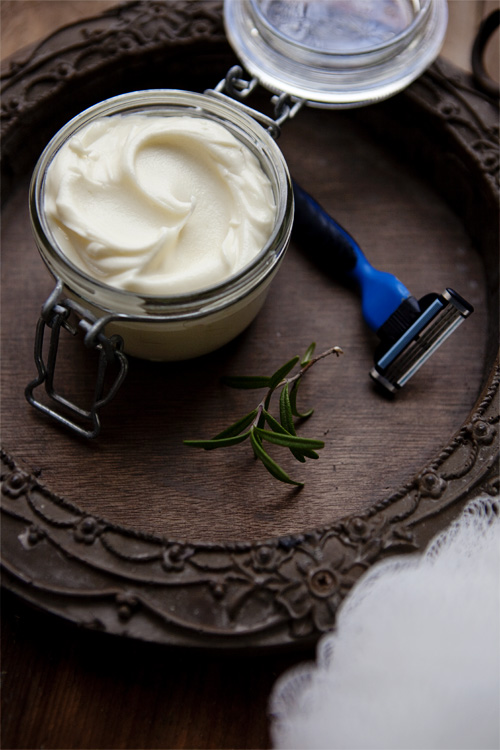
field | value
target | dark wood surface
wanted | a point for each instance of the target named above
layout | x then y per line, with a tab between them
65	687
372	446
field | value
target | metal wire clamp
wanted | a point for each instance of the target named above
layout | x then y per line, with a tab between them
238	88
56	315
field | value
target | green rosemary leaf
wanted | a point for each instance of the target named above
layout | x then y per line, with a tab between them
262	420
289	441
273	468
247	382
293	403
283	371
310	454
286	415
308	355
273	423
210	445
267	401
282	431
277	427
238	426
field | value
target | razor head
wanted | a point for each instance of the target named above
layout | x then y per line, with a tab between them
440	316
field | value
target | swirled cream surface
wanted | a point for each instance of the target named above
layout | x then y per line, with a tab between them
159	205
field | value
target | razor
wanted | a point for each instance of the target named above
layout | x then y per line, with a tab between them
409	330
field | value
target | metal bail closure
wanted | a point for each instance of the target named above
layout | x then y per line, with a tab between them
56	314
237	89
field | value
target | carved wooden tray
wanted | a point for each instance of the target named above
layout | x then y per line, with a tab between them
140	536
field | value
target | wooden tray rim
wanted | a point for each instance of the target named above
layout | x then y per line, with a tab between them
273	592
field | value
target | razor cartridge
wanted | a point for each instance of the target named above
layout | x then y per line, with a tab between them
409	330
441	314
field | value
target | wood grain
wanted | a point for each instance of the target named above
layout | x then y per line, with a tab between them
170	490
67	689
24	22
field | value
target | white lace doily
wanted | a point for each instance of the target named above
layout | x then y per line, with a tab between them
414	661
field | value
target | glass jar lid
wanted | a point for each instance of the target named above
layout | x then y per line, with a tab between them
336	53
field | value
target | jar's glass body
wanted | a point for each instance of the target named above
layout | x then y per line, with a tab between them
190	324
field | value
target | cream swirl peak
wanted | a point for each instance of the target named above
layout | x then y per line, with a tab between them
158	205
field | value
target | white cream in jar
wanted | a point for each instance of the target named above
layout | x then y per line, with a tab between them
158	205
165	214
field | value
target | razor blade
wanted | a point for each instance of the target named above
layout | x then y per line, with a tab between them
438	320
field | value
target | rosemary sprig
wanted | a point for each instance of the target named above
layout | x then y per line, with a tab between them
260	426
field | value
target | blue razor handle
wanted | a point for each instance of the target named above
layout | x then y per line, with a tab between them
339	253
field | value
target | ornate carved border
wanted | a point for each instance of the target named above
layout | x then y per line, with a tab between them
277	591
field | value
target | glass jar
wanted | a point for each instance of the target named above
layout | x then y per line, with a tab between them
185	325
336	53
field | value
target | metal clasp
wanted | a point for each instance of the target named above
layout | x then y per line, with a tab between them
56	314
238	88
285	108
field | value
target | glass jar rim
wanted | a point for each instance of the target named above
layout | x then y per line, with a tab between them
184	305
334	79
397	39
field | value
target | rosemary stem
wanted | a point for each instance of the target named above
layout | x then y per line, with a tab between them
261	426
260	409
333	350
